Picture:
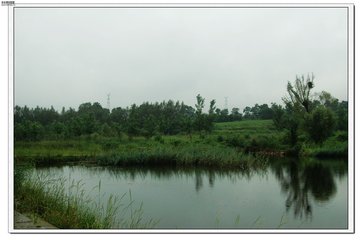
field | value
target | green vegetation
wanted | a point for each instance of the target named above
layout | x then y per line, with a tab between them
230	145
178	150
310	120
166	134
176	134
70	207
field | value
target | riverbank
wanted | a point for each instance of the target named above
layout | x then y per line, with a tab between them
194	197
230	145
65	204
23	222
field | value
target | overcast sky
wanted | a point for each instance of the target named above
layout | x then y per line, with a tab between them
65	57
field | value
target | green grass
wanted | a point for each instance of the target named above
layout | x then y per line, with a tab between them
188	155
334	147
247	128
70	207
228	145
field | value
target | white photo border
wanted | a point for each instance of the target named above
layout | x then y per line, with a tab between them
351	111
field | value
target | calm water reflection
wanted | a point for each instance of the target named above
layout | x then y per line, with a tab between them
283	194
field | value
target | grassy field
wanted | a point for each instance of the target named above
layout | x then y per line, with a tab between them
230	144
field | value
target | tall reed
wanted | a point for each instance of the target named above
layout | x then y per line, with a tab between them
70	207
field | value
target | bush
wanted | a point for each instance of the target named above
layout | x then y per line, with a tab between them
158	138
235	141
342	136
220	138
94	136
176	143
109	145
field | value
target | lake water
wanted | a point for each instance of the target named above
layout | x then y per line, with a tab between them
284	194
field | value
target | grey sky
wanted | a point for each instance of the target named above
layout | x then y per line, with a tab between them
64	56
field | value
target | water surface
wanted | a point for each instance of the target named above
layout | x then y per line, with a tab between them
284	194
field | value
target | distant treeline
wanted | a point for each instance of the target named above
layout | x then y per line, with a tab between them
147	119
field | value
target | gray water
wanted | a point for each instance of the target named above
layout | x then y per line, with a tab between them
280	195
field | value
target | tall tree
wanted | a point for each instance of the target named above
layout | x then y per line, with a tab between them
212	107
200	103
299	93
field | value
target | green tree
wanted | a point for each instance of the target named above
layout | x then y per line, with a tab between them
320	124
119	117
235	114
299	93
224	115
326	99
247	113
59	128
278	116
203	122
291	120
265	112
212	107
200	103
297	105
342	116
199	121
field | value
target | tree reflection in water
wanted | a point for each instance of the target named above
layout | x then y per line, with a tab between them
301	183
198	180
297	195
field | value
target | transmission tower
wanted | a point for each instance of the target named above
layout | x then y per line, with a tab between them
226	103
109	101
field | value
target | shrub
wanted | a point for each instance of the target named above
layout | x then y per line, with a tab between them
235	141
158	138
176	143
220	138
342	136
109	145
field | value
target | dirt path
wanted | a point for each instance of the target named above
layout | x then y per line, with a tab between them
24	222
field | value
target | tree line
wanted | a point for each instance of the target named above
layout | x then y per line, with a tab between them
299	114
147	119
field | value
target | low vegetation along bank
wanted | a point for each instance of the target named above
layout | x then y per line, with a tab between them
138	152
229	145
67	206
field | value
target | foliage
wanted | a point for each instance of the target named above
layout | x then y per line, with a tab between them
145	120
21	173
278	116
263	128
299	93
320	124
177	155
71	208
300	116
254	136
